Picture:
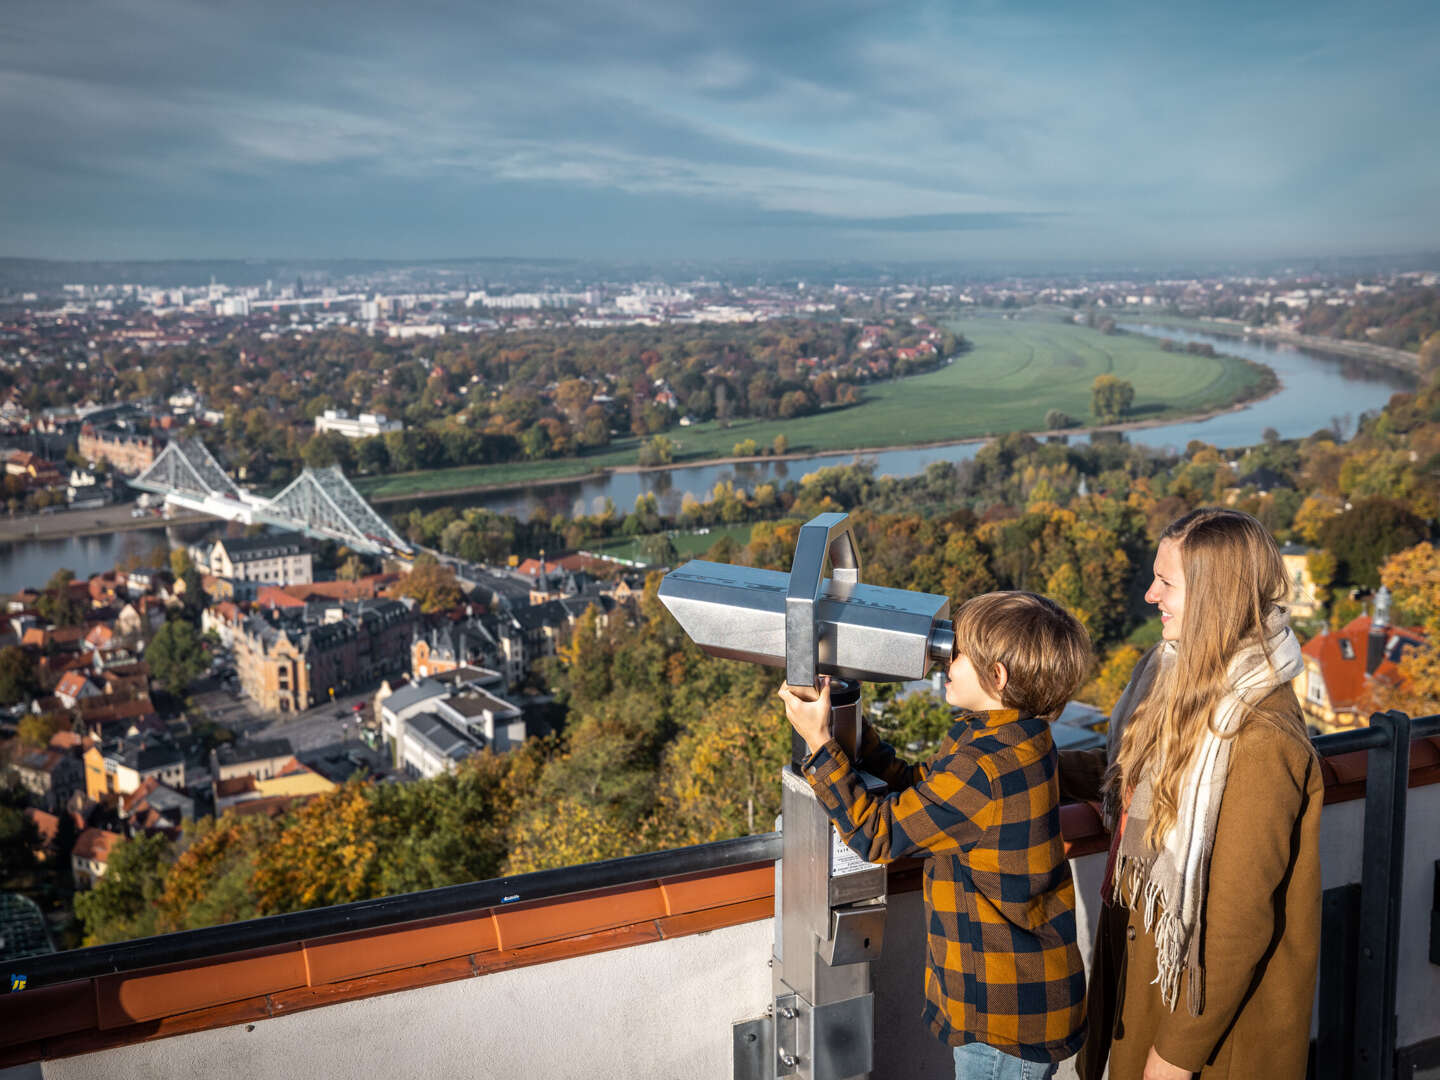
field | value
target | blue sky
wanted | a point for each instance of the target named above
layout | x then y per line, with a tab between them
658	129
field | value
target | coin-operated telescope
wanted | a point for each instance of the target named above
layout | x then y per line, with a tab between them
829	903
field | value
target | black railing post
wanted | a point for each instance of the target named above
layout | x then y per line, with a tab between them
1387	776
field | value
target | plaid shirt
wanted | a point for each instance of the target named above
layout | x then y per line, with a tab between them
984	814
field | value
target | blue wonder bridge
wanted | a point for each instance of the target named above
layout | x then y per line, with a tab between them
319	502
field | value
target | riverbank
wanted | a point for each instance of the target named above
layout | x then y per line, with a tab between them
996	386
810	455
1353	350
96	522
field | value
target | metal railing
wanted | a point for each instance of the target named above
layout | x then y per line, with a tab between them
1360	924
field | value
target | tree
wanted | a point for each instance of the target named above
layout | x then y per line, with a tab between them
658	450
18	680
180	561
1110	398
18	840
176	655
1058	420
1104	690
56	605
432	585
1413	578
352	569
1368	533
37	730
122	905
659	550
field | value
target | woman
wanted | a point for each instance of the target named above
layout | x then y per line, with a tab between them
1209	933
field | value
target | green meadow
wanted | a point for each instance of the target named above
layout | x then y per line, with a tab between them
690	545
1014	372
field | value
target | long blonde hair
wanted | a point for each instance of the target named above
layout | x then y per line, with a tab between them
1233	577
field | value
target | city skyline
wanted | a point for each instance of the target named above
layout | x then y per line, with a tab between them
647	131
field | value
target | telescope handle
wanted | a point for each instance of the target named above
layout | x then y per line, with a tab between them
824	540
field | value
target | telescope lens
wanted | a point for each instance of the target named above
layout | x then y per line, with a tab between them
942	642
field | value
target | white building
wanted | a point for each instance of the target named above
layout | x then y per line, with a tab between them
274	560
359	427
435	723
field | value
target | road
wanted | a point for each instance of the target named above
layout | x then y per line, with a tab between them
102	519
313	729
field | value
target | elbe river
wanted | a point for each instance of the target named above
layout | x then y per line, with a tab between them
1316	390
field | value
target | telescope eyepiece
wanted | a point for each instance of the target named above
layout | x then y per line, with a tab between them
941	645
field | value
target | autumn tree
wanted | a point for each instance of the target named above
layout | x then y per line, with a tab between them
1110	398
1104	690
431	584
1413	578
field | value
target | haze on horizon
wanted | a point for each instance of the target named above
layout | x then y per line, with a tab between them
664	129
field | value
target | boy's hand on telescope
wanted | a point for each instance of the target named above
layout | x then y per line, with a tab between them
808	711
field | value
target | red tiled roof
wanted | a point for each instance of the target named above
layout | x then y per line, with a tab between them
1344	675
96	844
72	683
276	597
531	567
47	825
236	785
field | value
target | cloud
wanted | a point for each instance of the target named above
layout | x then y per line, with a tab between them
898	120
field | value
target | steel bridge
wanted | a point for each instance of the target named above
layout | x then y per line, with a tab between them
319	502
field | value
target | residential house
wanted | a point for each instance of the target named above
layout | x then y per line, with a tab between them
121	765
258	758
73	686
1343	668
156	807
224	619
90	856
1303	593
432	724
51	775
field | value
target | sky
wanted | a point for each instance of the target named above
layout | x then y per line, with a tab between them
672	129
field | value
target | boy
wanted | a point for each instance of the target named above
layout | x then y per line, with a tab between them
1004	983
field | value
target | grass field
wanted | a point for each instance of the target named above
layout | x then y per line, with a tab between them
689	545
1014	373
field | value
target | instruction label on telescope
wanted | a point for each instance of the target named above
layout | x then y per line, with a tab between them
844	861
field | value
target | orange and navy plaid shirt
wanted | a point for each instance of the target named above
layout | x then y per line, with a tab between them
984	814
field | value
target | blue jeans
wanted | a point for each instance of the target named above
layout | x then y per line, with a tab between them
981	1061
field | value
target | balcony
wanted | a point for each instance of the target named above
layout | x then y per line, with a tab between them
637	967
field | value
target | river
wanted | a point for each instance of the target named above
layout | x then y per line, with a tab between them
1316	390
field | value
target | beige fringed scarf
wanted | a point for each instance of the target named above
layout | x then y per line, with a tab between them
1171	883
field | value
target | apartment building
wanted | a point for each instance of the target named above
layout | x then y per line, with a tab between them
300	660
281	559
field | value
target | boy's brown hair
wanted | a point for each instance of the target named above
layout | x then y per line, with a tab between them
1045	650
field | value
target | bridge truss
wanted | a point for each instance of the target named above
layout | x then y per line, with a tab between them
326	502
319	502
187	467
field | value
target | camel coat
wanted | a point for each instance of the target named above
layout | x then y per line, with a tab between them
1261	925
